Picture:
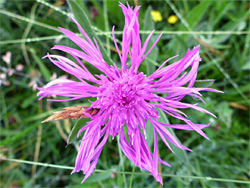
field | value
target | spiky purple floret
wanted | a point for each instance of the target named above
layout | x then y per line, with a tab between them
126	97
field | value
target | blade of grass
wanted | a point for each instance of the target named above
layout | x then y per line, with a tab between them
4	110
228	77
124	172
5	12
53	7
121	161
194	16
26	32
45	72
180	153
59	127
72	135
37	39
105	15
149	25
83	20
38	144
132	176
19	135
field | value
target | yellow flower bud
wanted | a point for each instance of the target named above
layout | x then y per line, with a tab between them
156	15
172	19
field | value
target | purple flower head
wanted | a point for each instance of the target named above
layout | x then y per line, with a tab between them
126	97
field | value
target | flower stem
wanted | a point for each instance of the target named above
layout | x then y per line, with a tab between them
121	161
132	176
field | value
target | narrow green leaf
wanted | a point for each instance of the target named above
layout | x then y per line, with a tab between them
45	72
115	15
37	117
99	19
82	4
150	134
196	14
220	9
99	177
75	129
28	101
225	113
246	66
83	20
22	134
203	83
181	154
148	25
199	171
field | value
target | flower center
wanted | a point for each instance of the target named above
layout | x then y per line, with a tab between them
126	101
125	92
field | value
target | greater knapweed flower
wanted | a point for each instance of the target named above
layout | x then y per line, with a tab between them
126	97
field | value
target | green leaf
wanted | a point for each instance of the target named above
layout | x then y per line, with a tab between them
196	14
28	101
114	15
82	4
83	20
148	25
22	134
180	153
72	135
203	83
219	11
99	19
99	177
225	113
246	66
150	134
45	72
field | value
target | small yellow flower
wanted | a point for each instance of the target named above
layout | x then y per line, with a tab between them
172	19
156	15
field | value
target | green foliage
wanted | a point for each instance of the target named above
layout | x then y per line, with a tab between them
180	154
29	30
148	25
83	20
73	133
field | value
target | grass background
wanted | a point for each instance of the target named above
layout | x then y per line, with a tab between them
28	31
